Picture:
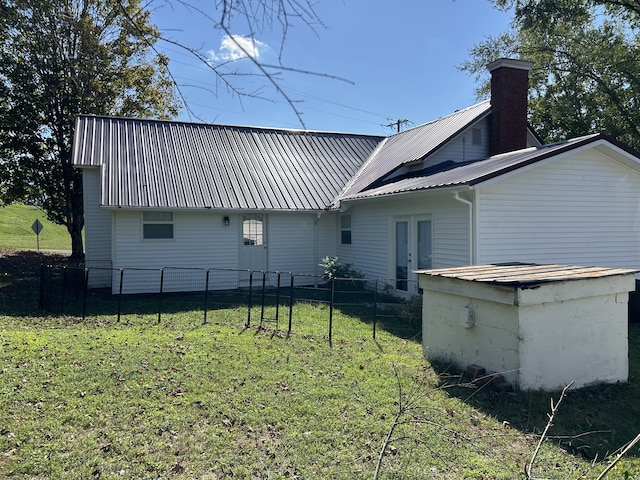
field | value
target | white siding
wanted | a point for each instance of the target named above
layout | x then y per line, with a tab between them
328	238
97	230
201	240
582	210
292	247
372	248
462	149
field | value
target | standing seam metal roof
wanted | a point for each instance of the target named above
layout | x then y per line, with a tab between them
183	165
414	144
478	171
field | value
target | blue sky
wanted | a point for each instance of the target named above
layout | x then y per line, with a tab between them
398	60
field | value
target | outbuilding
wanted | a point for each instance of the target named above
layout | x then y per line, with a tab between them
539	326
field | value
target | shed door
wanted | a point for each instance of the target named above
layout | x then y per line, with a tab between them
413	250
253	245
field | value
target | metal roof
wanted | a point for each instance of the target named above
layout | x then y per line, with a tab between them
473	173
414	144
163	164
525	274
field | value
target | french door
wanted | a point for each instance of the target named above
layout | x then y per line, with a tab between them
413	250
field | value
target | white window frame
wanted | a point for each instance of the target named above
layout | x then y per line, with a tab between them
157	218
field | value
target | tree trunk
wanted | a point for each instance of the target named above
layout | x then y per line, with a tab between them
76	217
77	250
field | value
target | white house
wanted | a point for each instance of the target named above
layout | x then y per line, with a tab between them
474	187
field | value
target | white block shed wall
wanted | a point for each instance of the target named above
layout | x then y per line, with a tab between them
583	339
492	342
372	225
582	210
539	338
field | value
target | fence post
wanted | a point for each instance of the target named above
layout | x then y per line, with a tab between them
160	296
375	308
291	300
206	296
120	293
278	301
84	295
264	288
333	289
248	324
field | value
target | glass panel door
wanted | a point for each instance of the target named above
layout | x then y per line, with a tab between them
253	244
402	254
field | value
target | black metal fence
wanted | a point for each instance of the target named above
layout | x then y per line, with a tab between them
282	301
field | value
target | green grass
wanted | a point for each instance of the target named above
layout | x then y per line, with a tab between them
16	232
136	399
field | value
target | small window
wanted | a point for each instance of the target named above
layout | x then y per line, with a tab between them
253	229
476	136
157	225
345	229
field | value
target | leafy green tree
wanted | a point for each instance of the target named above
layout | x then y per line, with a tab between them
60	58
586	74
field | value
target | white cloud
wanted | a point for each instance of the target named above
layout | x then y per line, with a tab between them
236	47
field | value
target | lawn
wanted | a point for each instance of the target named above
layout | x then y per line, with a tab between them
179	399
15	229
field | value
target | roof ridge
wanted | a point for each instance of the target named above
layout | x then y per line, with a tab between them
444	117
232	126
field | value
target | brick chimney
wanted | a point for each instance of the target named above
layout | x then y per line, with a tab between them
509	95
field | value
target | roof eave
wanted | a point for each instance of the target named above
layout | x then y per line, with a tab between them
553	153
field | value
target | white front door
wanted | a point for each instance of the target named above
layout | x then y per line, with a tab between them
253	242
412	250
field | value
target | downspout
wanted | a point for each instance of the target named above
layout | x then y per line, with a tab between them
457	196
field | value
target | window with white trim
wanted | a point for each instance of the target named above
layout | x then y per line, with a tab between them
345	229
157	225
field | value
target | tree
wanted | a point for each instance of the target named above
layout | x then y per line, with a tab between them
586	77
60	58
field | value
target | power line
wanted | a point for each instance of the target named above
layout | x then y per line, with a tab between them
398	124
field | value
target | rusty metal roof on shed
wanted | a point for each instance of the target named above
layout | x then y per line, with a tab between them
165	164
525	274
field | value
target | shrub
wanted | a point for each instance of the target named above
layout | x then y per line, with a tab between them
333	269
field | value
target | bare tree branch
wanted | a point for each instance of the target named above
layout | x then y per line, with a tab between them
622	453
554	409
255	16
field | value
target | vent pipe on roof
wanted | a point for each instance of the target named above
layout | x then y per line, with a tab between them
509	99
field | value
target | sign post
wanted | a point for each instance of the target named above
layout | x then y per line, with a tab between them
37	228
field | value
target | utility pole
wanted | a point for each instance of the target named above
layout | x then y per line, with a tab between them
398	123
